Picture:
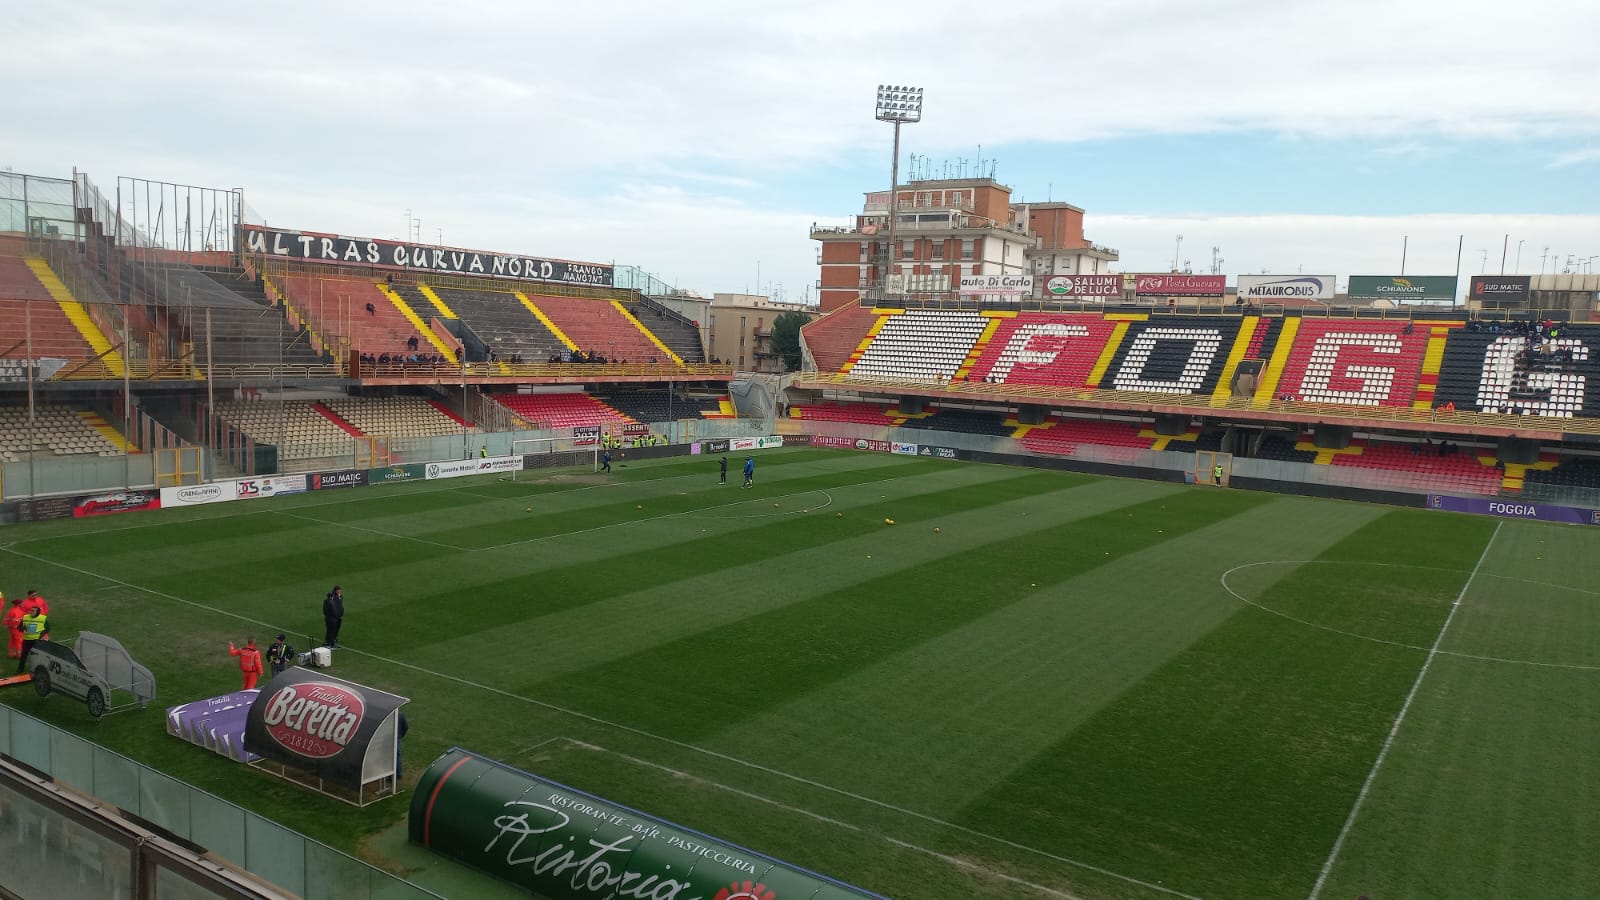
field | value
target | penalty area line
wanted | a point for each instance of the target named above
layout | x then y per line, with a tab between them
639	732
1394	730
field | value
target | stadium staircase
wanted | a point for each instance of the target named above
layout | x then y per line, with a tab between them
1062	437
602	326
107	431
920	346
78	316
53	334
1153	355
414	323
673	329
1432	362
652	405
322	410
504	322
836	337
1044	350
852	413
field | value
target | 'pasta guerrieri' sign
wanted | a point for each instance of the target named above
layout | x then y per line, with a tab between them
375	253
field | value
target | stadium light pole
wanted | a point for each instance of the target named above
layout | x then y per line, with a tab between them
900	105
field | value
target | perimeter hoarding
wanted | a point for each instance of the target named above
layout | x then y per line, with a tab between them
464	467
1403	288
1180	285
1511	289
1543	512
565	844
1269	288
1083	286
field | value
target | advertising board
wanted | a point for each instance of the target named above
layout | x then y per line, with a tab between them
1269	288
739	445
586	435
1180	285
1543	512
848	443
348	478
1083	285
115	502
197	494
321	724
902	449
397	473
464	467
1006	285
269	486
1403	288
1511	289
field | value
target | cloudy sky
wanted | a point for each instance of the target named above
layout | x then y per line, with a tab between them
701	140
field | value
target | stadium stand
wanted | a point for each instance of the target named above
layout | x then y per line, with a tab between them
1354	363
1492	369
1043	349
1172	356
1413	466
53	334
652	405
969	421
1275	446
395	416
835	338
920	346
1064	436
338	304
856	413
244	329
1578	472
677	332
566	410
297	428
57	431
600	326
502	322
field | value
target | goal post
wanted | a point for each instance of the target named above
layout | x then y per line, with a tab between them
1212	468
555	453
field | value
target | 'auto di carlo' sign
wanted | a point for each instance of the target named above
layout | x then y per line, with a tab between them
374	253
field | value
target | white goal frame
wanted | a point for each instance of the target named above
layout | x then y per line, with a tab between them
546	446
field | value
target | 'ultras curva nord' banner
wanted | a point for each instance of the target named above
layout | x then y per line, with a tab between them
568	845
325	726
371	252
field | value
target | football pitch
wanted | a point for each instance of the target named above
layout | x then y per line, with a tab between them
1033	684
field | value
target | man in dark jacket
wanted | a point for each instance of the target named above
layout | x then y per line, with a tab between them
279	655
722	471
333	615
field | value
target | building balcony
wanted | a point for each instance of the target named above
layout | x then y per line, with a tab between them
975	225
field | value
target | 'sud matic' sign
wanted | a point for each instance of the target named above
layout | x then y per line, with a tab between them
394	254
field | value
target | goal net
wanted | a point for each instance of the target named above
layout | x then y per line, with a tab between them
555	453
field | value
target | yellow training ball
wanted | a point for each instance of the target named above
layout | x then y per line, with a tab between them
937	531
774	506
530	509
639	507
888	521
838	515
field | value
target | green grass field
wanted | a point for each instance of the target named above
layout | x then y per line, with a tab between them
1076	687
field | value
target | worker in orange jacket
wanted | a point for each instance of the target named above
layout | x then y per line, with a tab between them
249	661
13	623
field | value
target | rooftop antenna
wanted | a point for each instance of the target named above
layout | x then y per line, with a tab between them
1050	193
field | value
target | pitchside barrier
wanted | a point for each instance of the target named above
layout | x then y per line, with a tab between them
565	844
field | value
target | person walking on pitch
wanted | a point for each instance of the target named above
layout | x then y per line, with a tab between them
249	661
332	616
749	471
13	622
279	653
722	471
605	461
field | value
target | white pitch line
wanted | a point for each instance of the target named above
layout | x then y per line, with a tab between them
1388	742
828	820
639	732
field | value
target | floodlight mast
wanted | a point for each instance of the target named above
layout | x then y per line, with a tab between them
896	104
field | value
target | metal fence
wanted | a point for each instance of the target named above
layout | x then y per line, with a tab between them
292	861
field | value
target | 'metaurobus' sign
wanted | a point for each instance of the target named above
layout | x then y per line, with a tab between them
568	845
1286	287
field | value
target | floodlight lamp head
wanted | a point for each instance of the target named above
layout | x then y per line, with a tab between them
899	103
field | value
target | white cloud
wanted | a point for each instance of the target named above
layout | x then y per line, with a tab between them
549	128
1588	154
1350	245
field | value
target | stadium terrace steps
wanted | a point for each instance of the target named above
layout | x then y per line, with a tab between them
833	338
322	410
1097	372
1516	474
107	430
505	323
55	430
563	410
417	326
78	316
1042	349
673	329
27	311
1432	361
649	335
1354	363
545	321
653	405
433	297
297	429
447	412
978	348
920	345
600	326
1419	466
394	417
1267	387
1242	343
855	413
1179	356
1062	437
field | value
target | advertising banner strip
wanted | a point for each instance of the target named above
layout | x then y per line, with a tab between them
465	467
370	252
848	443
1084	285
902	449
1543	512
1180	285
327	481
319	724
1017	285
1403	288
565	844
1501	288
1269	288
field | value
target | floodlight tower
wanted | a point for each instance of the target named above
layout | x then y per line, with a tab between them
898	104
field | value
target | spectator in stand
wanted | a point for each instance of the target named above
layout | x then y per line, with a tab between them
411	342
371	310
